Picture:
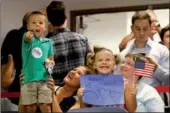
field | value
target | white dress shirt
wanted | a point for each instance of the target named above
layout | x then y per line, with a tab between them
148	99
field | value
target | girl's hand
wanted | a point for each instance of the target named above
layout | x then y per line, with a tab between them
80	93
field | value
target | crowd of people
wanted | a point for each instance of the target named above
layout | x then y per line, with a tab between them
73	56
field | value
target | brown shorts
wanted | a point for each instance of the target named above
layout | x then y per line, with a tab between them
36	92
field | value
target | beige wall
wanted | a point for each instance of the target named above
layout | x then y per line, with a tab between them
89	4
109	29
92	4
12	11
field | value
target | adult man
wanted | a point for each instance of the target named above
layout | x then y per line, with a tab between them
141	26
70	49
154	34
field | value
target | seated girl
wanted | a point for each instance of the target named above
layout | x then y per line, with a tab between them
104	62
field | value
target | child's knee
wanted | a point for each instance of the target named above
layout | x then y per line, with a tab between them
31	108
42	105
45	108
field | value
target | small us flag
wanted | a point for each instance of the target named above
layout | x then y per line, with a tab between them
144	69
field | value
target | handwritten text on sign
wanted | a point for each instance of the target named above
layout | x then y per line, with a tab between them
103	89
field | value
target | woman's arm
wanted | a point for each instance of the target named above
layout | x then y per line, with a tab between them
55	105
7	71
130	98
75	106
125	40
55	96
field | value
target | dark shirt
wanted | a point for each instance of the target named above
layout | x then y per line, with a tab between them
70	50
12	45
67	102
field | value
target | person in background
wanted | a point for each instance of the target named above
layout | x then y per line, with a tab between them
159	54
7	77
70	48
148	99
165	36
12	46
155	30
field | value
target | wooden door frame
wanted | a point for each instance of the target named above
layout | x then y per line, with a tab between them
75	13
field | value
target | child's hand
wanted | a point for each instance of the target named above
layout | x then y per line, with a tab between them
52	62
80	93
28	36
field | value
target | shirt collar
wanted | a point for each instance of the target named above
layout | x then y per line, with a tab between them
43	39
148	44
60	30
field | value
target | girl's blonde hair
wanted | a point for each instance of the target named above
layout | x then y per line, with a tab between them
91	56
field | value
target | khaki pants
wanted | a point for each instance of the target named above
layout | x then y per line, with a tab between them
36	92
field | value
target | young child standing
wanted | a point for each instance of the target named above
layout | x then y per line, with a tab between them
35	50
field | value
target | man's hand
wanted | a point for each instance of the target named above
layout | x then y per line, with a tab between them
150	60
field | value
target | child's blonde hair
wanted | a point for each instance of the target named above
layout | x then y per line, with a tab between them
91	56
37	13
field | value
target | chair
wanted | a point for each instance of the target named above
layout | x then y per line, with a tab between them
100	109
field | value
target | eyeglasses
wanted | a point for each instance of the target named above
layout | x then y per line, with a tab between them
129	63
